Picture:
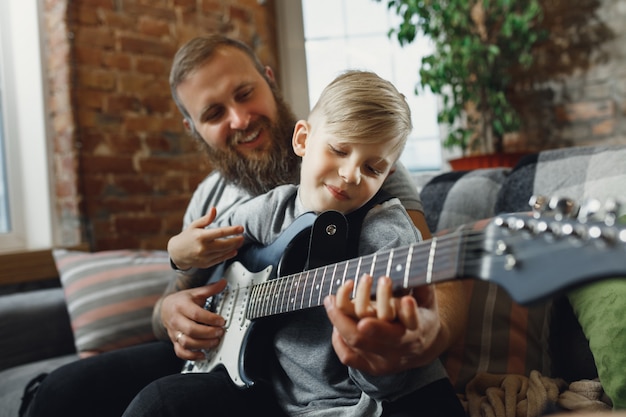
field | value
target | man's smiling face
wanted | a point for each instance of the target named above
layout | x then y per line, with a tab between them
230	103
243	121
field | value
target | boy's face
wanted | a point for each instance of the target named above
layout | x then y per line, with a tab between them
337	175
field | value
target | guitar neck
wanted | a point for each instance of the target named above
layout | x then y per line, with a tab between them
438	259
516	251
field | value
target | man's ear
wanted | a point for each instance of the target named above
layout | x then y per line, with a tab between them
269	73
300	135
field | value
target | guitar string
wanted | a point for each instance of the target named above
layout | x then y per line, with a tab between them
280	285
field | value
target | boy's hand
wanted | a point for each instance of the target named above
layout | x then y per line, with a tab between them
369	339
198	247
361	306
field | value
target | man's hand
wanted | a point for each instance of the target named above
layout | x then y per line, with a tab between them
198	247
395	335
189	326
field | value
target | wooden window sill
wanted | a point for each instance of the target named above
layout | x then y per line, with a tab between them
29	266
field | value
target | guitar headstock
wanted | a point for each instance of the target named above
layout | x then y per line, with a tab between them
557	246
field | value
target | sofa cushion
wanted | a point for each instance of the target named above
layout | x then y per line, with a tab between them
434	194
601	309
14	380
37	320
459	197
110	295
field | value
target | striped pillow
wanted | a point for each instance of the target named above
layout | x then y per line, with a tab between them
110	295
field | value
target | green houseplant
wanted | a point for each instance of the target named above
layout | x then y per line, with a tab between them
478	47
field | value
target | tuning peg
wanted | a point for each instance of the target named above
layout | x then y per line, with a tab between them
612	209
538	204
588	209
563	207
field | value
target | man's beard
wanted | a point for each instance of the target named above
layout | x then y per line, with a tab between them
269	167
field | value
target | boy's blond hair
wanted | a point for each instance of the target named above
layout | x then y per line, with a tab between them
361	107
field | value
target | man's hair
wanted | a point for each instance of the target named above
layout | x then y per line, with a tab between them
195	53
361	107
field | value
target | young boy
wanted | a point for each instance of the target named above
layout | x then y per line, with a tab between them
349	145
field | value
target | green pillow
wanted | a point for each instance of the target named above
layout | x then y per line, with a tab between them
601	311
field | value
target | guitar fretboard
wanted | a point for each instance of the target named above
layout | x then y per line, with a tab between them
408	267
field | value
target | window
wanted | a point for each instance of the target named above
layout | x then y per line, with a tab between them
25	217
341	34
5	214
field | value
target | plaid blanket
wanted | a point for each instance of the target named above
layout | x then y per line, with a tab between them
502	337
577	173
458	197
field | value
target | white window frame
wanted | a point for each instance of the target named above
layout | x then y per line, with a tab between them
26	147
292	56
293	65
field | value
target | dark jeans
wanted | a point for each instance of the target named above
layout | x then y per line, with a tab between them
203	394
148	378
103	385
213	394
437	399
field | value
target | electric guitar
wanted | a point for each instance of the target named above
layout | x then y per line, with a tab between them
531	255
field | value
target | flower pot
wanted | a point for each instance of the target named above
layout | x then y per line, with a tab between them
466	163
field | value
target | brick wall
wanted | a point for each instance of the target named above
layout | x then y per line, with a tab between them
124	169
576	93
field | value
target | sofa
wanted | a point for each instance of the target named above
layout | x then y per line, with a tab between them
566	351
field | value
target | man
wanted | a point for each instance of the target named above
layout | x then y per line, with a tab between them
348	145
230	103
225	106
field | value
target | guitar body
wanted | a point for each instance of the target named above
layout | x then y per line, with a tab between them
292	252
230	304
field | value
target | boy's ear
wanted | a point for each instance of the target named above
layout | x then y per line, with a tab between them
188	124
392	170
300	135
